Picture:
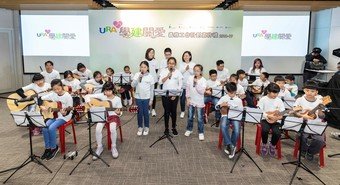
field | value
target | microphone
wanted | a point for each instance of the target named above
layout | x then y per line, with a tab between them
140	77
41	69
195	83
170	73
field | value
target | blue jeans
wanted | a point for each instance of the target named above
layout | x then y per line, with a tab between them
143	112
225	123
200	112
214	101
50	133
183	100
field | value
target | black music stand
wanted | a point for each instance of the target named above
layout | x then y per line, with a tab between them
250	115
30	120
289	104
314	127
160	92
121	79
217	92
94	115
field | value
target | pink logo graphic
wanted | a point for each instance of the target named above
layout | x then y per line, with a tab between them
264	31
48	31
117	24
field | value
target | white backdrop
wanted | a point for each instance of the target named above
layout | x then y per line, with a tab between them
119	38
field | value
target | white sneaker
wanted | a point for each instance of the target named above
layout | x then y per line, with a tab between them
114	152
194	116
187	133
98	152
153	113
201	137
125	102
140	131
182	115
130	101
146	131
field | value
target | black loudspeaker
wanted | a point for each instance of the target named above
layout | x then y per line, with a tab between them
336	52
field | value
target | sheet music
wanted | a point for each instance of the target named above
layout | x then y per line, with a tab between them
126	79
289	102
292	123
20	118
315	127
162	92
235	114
254	115
98	114
217	92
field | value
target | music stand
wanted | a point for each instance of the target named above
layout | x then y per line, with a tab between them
218	93
30	120
121	79
289	104
250	115
314	127
167	93
94	115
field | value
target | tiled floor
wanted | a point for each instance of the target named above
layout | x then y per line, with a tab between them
197	162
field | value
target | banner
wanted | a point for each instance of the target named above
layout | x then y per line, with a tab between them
119	38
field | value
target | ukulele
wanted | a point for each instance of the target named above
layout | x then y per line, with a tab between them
16	103
311	114
278	115
52	109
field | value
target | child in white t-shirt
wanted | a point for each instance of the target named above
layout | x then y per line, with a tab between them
97	82
291	86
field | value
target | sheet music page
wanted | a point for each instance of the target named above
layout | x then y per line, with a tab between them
98	114
292	123
315	127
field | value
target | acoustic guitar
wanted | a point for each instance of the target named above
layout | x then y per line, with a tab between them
311	114
52	109
94	102
16	103
279	114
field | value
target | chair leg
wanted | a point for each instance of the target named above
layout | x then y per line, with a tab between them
258	139
74	134
322	157
296	148
62	139
220	140
239	142
121	134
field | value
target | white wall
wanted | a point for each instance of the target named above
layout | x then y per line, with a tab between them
334	39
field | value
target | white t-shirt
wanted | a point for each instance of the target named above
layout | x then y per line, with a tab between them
256	72
267	104
294	88
115	102
243	83
65	100
83	75
240	90
223	75
74	84
163	64
153	65
234	102
97	86
305	104
196	94
216	88
260	83
37	89
186	73
284	93
50	76
174	83
145	88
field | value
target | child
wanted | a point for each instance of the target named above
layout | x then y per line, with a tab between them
268	104
170	79
186	68
280	81
143	82
257	88
292	88
240	92
108	77
242	80
230	100
126	94
50	73
212	95
97	81
108	94
257	69
222	73
164	63
50	133
69	80
82	73
195	89
311	144
38	85
150	58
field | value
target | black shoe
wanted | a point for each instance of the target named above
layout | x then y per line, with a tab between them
227	149
309	157
174	132
166	132
53	153
46	154
303	154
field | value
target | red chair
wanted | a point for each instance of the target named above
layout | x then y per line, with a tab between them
62	129
321	153
258	142
220	140
107	125
207	111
